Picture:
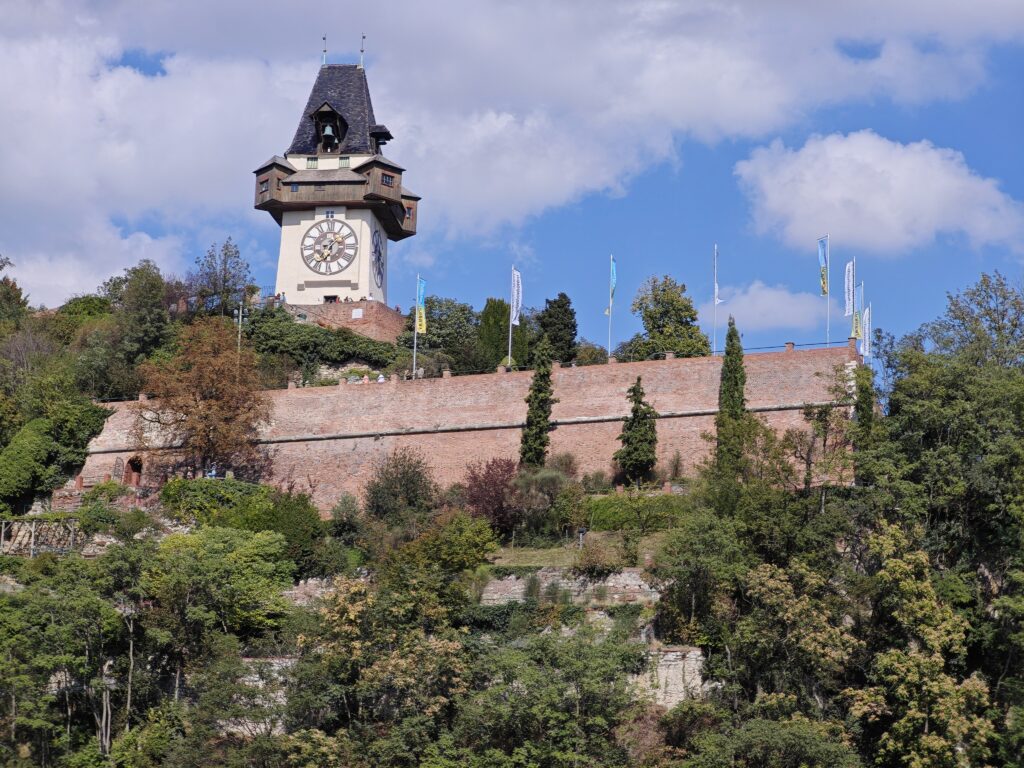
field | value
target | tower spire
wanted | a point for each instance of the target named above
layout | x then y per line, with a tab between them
323	61
362	49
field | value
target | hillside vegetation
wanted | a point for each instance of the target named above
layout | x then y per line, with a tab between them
857	589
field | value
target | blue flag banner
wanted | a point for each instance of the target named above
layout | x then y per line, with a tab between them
611	288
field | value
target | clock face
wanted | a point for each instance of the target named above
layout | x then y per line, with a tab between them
378	258
329	246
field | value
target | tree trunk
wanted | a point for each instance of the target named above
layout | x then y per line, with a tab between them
131	674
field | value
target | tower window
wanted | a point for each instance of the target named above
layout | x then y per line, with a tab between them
328	214
344	162
311	162
295	187
408	211
264	186
387	180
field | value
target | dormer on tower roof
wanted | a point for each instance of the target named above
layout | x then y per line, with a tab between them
338	117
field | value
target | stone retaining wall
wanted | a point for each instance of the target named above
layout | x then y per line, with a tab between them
27	538
627	586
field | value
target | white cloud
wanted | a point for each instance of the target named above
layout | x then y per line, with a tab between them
872	193
762	307
500	111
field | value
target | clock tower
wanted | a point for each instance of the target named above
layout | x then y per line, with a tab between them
337	198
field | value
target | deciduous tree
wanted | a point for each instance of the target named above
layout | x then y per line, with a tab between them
221	279
207	408
670	322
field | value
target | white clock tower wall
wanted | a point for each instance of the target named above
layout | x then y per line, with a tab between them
300	285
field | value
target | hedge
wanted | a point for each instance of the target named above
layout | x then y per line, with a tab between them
274	331
615	513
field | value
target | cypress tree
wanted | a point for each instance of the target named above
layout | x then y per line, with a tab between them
639	436
731	401
533	447
557	321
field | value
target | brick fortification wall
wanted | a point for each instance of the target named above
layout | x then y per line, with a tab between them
325	440
368	318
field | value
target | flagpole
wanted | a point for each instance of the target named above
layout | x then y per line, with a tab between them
862	316
611	259
415	324
714	300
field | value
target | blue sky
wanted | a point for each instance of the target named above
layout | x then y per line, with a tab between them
546	136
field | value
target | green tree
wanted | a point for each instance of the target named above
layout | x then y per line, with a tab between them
588	353
639	436
401	491
557	321
916	707
215	580
533	447
451	331
731	403
221	279
13	303
670	322
548	701
142	318
251	507
795	743
493	335
700	562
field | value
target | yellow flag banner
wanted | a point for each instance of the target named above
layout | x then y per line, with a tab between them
857	331
421	309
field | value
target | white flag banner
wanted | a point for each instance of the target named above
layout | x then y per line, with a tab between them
865	346
849	289
517	295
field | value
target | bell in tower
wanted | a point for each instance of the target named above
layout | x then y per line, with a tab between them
329	127
329	138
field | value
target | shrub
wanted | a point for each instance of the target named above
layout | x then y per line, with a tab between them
565	463
596	482
647	513
490	493
570	508
537	491
249	507
275	332
596	561
401	491
24	463
675	467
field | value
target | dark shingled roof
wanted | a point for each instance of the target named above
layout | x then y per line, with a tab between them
343	87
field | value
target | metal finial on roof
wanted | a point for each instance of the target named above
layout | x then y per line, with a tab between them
362	49
323	62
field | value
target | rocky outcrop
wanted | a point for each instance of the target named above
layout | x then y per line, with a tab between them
675	675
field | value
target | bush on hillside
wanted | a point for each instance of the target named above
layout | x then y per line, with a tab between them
275	332
250	507
648	513
490	493
401	491
24	464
